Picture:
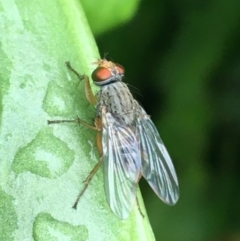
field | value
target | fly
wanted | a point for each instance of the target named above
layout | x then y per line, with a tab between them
128	142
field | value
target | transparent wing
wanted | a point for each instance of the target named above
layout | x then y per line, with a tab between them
122	165
157	166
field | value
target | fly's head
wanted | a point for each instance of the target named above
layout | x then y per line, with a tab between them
107	72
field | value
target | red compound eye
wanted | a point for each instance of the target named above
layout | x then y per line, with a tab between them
101	74
120	69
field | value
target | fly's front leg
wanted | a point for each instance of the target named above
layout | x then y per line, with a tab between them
88	90
89	95
89	178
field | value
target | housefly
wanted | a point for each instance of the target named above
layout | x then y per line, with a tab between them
128	141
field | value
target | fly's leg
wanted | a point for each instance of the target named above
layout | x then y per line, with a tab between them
138	205
78	121
87	181
97	166
88	90
89	95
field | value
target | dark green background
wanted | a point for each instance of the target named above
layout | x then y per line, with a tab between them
184	59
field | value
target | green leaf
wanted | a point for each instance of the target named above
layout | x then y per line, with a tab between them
105	15
42	167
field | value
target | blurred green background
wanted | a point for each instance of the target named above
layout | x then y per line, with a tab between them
183	57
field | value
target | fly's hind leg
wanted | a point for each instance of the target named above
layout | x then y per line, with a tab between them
87	181
139	209
88	90
138	204
97	166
